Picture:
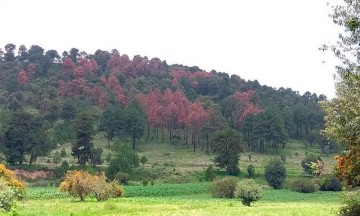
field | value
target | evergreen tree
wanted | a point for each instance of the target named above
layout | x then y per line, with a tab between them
227	146
83	145
134	121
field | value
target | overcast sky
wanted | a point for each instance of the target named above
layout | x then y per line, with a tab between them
275	42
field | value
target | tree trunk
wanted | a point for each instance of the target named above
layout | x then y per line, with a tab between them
133	141
207	144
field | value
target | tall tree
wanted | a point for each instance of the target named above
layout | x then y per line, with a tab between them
83	145
25	136
112	122
226	144
342	118
134	121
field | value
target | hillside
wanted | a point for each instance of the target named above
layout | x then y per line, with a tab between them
174	105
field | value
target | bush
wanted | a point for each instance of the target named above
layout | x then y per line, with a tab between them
352	204
63	153
81	184
11	189
143	160
7	196
104	190
248	191
224	188
329	183
250	171
275	173
123	178
125	160
302	185
209	173
56	158
306	163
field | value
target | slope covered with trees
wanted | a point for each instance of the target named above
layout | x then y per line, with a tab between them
75	95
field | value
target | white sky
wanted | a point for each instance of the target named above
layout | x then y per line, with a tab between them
275	42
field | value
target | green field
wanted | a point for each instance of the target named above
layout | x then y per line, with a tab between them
181	199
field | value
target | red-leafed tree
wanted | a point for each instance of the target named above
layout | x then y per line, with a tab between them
22	78
197	117
30	70
68	66
239	105
114	84
61	89
79	72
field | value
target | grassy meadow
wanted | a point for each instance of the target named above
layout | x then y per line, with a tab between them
182	200
188	194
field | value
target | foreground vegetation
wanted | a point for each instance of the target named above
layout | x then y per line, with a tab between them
273	202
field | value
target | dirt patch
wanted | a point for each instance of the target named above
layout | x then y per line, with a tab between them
40	174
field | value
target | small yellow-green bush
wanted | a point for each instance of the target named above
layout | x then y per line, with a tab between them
224	188
248	191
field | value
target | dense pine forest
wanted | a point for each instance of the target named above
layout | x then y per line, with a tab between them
48	99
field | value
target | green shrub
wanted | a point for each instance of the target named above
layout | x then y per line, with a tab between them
123	178
143	160
352	204
61	171
210	173
63	153
125	160
248	191
307	162
329	183
275	173
7	196
145	182
250	171
103	190
302	185
224	188
56	158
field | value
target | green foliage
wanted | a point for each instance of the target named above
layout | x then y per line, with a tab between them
134	121
329	183
95	156
25	136
63	132
124	161
68	111
210	173
342	112
112	122
62	170
226	143
275	173
302	185
62	153
7	196
307	162
103	190
224	188
83	145
248	191
122	177
250	170
351	199
56	158
143	160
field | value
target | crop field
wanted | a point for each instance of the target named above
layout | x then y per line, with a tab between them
177	199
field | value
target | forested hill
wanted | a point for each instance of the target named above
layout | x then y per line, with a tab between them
180	103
